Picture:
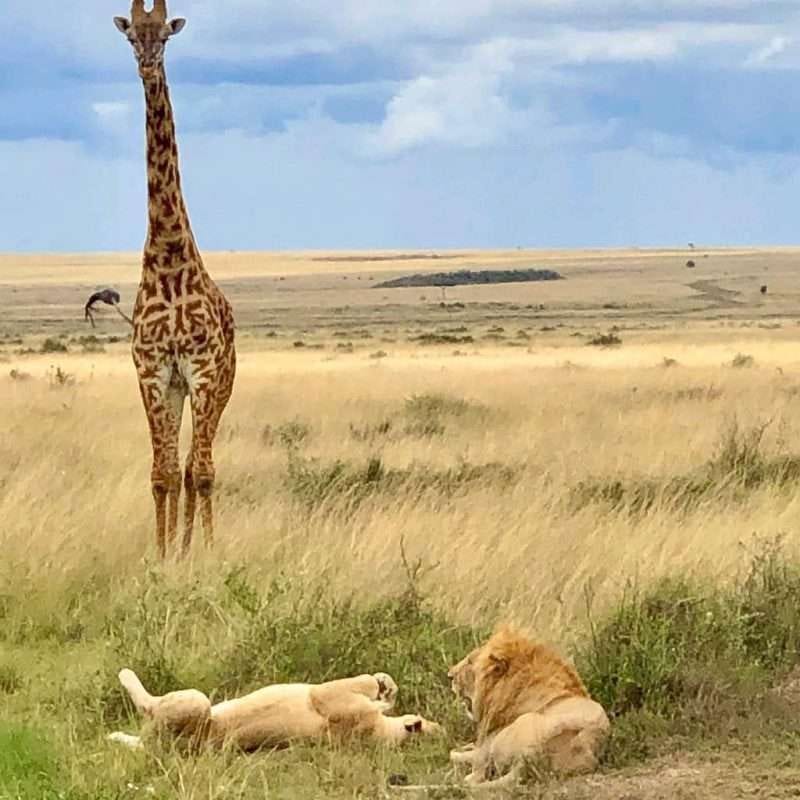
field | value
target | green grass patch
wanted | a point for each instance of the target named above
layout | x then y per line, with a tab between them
28	764
687	659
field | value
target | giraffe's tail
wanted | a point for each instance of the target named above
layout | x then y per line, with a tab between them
111	298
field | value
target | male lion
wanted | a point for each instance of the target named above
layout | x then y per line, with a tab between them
528	704
277	715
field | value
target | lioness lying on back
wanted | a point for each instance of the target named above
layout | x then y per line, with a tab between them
277	715
528	704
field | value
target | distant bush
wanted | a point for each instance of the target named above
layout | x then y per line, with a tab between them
742	360
53	346
91	344
292	434
441	338
610	339
467	277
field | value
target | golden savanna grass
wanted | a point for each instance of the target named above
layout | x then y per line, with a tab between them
76	488
335	374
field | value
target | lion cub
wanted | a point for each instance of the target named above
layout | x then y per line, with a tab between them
277	715
528	704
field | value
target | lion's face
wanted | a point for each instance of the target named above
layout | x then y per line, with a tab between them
462	681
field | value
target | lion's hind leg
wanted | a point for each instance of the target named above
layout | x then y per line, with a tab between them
186	713
348	697
575	750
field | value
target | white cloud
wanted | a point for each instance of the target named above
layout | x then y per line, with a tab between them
777	45
465	105
111	110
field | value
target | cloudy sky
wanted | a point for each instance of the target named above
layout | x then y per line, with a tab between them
422	123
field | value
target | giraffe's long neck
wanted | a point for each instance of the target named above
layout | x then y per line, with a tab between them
170	242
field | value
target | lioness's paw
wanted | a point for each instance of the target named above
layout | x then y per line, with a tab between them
387	689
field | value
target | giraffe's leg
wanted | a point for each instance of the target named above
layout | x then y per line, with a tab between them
208	403
190	504
175	399
204	474
164	408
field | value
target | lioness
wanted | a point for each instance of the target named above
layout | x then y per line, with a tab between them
528	704
277	715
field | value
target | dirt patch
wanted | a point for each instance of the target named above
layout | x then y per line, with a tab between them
714	293
682	778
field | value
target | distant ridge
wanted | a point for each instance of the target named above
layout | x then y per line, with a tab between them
467	277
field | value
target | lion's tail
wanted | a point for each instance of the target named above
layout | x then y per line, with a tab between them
142	699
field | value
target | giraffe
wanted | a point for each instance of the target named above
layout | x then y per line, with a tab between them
183	329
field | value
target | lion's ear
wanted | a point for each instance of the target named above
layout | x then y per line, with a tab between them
499	666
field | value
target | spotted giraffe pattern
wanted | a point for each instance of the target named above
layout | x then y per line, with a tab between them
183	335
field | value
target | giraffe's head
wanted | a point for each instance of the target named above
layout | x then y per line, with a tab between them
148	31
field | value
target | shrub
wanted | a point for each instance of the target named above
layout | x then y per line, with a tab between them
441	338
610	339
91	344
684	658
742	360
291	435
348	485
10	679
53	346
738	465
369	433
681	641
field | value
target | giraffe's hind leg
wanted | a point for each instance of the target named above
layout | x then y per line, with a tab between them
208	403
190	504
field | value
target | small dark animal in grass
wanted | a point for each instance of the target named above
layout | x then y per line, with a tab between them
110	297
764	289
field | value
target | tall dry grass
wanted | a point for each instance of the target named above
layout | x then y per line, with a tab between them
76	508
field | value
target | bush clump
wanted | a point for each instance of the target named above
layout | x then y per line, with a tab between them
682	641
348	485
738	466
51	345
610	339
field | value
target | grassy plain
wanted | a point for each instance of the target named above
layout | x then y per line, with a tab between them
398	471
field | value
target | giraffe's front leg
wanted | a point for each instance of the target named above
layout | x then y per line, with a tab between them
164	406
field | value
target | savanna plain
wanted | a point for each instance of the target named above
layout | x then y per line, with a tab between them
610	460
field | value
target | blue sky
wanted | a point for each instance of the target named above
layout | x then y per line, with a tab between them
418	124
